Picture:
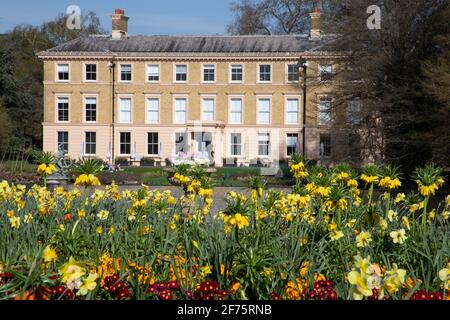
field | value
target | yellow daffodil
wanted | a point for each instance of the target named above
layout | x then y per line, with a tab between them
50	255
398	236
15	222
392	215
363	239
444	275
103	214
71	272
89	284
99	230
399	198
336	235
28	218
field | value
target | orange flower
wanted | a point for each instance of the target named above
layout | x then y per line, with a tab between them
68	217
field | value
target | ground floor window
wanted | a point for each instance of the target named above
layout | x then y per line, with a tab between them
291	144
91	143
325	145
180	142
153	143
125	143
236	144
63	142
263	144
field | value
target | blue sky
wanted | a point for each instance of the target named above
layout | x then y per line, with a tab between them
171	17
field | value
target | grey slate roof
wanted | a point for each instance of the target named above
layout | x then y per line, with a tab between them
196	44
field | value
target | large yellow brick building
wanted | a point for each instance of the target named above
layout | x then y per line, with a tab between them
238	99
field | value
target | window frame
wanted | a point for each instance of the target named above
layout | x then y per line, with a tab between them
287	145
319	111
325	156
331	73
258	98
58	143
175	72
202	99
230	99
60	96
68	71
351	113
147	99
85	79
120	72
232	144
85	97
287	73
268	144
214	68
231	73
125	97
86	144
153	143
286	110
186	142
258	73
180	97
147	72
121	144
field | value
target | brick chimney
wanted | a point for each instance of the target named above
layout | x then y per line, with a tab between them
316	23
119	24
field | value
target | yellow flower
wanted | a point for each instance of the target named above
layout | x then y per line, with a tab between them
444	275
235	287
103	214
392	215
398	236
111	231
46	169
399	198
331	226
445	215
172	226
195	243
405	222
389	183
260	215
71	272
28	218
428	190
81	214
394	279
50	254
361	288
89	284
99	230
336	235
15	222
363	239
267	272
352	183
205	270
383	224
369	179
87	180
10	213
351	223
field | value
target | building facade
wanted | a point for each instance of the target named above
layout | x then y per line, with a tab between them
238	100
